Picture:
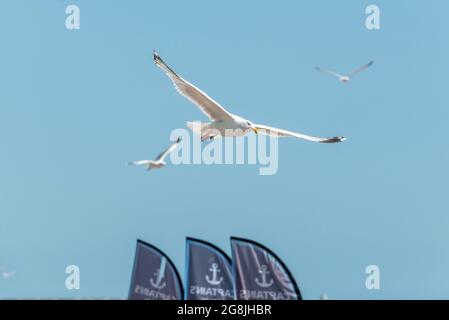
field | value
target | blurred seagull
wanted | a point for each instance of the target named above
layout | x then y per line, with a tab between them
342	78
224	123
159	161
6	274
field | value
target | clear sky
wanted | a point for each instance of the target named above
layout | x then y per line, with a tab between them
75	106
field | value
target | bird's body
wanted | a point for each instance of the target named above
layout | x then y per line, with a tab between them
159	161
5	273
345	78
149	164
224	128
222	122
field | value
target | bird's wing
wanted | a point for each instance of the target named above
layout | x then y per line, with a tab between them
172	147
275	132
209	106
139	162
333	73
359	69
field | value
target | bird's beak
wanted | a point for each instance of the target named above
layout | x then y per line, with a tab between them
256	131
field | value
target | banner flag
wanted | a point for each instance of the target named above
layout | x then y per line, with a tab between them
208	272
259	274
154	275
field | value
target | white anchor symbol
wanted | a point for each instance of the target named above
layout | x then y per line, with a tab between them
214	281
157	284
264	272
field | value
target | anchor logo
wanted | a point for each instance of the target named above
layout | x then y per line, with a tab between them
263	273
158	284
215	270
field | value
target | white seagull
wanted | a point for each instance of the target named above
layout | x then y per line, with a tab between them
6	274
224	123
345	78
159	161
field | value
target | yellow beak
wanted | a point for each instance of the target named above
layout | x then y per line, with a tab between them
256	131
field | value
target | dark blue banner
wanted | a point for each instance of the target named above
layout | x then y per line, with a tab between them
259	274
208	272
154	276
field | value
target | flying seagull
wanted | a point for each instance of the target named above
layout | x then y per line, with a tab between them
346	78
6	274
224	123
159	161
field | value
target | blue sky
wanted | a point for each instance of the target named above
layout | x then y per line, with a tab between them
77	105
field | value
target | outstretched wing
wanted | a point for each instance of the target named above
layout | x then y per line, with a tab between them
139	162
359	69
333	73
172	147
208	106
275	132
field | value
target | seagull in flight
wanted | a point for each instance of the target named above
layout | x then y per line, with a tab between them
345	78
222	122
6	274
159	161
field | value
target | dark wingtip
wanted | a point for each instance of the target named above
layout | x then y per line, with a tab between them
155	56
334	140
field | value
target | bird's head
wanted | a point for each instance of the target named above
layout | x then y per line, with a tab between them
248	125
